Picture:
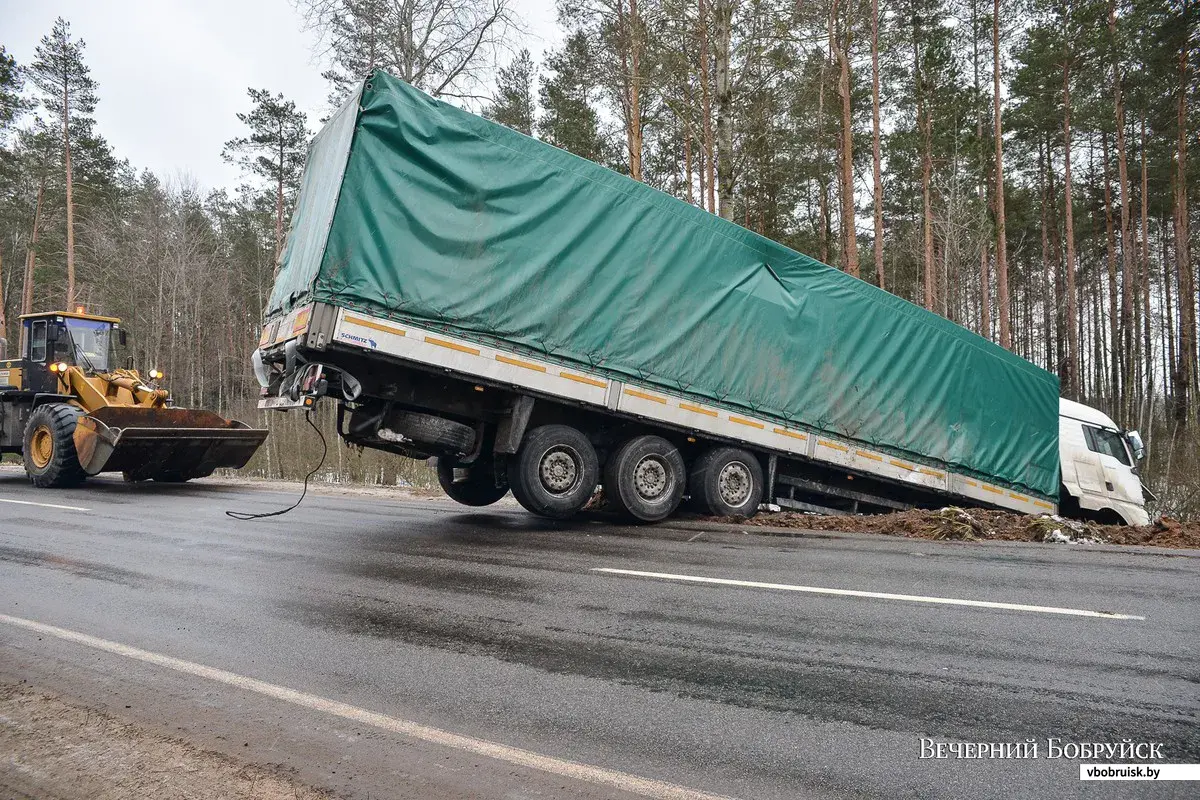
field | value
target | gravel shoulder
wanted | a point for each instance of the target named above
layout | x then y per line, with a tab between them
55	750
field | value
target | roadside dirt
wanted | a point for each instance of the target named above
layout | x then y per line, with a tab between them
975	524
53	750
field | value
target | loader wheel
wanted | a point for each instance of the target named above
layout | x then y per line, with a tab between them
644	478
555	471
471	485
50	458
726	482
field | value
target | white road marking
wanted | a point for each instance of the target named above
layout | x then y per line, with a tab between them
622	781
44	505
911	598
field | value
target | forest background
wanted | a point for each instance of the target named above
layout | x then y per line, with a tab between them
1020	168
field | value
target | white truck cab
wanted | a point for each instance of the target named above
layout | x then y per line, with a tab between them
1100	479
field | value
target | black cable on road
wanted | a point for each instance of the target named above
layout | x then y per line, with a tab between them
245	516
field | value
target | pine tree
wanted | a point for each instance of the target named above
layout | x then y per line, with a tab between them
274	150
514	104
69	93
568	93
11	85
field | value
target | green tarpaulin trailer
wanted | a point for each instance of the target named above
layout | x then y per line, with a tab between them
419	221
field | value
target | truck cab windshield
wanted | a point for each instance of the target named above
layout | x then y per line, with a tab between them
92	344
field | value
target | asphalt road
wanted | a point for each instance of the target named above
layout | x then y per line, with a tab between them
495	625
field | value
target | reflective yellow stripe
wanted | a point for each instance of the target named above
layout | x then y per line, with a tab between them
366	323
833	445
992	489
748	422
972	483
871	456
708	412
1040	504
934	473
901	464
462	348
516	362
583	379
1020	497
651	397
793	434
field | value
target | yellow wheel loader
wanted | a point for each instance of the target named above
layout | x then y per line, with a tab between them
72	410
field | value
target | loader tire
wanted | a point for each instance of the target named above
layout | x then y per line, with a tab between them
49	452
436	433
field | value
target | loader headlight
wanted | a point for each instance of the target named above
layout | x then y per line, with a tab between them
60	366
156	374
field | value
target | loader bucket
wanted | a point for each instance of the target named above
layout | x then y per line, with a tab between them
165	443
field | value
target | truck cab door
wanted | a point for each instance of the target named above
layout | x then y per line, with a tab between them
1116	464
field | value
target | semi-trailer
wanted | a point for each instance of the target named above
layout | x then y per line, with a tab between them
538	323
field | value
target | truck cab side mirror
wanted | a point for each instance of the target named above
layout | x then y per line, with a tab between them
1135	444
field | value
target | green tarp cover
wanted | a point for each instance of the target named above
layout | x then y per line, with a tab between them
449	220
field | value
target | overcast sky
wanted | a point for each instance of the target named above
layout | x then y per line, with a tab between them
173	73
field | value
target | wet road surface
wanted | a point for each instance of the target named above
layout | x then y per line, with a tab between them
495	625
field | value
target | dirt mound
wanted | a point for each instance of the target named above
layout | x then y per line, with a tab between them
977	524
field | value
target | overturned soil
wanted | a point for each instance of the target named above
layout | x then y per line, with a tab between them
976	524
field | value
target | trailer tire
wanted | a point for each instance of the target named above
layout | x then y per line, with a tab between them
478	488
436	433
726	482
645	478
554	472
49	451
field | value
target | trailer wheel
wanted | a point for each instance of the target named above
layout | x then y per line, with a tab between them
726	482
50	457
471	485
554	472
644	478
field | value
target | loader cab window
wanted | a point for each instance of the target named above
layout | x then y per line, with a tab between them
1106	442
37	340
90	343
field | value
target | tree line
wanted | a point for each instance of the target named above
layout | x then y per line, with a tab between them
1021	169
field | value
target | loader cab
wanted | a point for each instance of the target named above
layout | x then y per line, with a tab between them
93	343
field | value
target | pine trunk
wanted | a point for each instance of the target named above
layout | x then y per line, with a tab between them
31	253
1186	383
1071	367
707	177
1129	331
1147	346
1001	234
1116	358
723	21
876	151
70	201
849	237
